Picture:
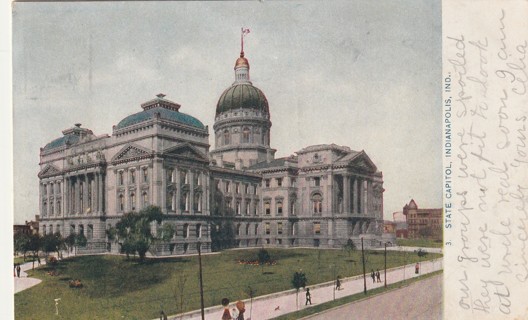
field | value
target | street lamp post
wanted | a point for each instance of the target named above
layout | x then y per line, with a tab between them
385	264
199	245
364	272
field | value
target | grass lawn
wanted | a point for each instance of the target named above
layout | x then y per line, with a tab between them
114	288
426	243
355	297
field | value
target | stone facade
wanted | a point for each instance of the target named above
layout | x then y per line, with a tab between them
319	197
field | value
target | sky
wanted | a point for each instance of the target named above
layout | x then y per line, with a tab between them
364	74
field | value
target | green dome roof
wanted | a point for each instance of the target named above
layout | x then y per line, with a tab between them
165	114
242	96
62	141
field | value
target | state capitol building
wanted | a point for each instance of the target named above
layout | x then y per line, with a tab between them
321	196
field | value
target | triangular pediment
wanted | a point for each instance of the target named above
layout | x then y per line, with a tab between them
48	171
362	161
131	152
185	151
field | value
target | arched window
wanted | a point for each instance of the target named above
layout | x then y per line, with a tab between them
292	208
121	203
185	202
45	208
120	178
51	208
58	229
197	205
227	139
59	207
144	199
132	176
133	202
170	201
237	207
81	196
317	201
145	174
186	230
267	207
245	135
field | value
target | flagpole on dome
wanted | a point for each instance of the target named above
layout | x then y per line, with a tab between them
242	34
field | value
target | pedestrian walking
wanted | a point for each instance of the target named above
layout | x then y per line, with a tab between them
241	307
226	315
14	270
338	283
378	275
373	275
308	296
163	316
18	270
417	268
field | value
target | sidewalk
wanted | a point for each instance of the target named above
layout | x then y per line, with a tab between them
276	304
24	281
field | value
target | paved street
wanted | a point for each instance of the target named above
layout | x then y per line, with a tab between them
420	300
274	305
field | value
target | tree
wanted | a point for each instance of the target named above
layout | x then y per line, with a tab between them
20	242
52	243
69	241
299	281
34	245
134	229
263	257
349	247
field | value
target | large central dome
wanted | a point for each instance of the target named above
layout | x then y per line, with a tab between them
242	96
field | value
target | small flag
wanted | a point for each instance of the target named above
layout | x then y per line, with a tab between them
245	31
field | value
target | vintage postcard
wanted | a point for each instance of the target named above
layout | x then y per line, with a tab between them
269	160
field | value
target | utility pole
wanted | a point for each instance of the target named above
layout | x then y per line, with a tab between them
364	272
385	264
199	245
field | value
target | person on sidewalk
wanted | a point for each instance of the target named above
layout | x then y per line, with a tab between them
417	268
338	283
241	307
226	315
18	270
378	275
373	275
163	316
308	297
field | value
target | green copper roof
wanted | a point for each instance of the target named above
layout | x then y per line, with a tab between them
166	114
242	96
62	141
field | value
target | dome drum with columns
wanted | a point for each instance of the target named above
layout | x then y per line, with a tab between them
322	196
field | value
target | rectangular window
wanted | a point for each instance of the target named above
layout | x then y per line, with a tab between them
279	182
267	181
247	189
267	228
145	174
267	207
279	228
237	187
132	176
317	227
227	187
293	182
317	182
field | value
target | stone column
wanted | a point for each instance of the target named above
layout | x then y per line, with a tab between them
346	193
205	193
355	196
164	185
48	192
77	195
65	200
85	192
365	196
191	193
178	190
139	192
